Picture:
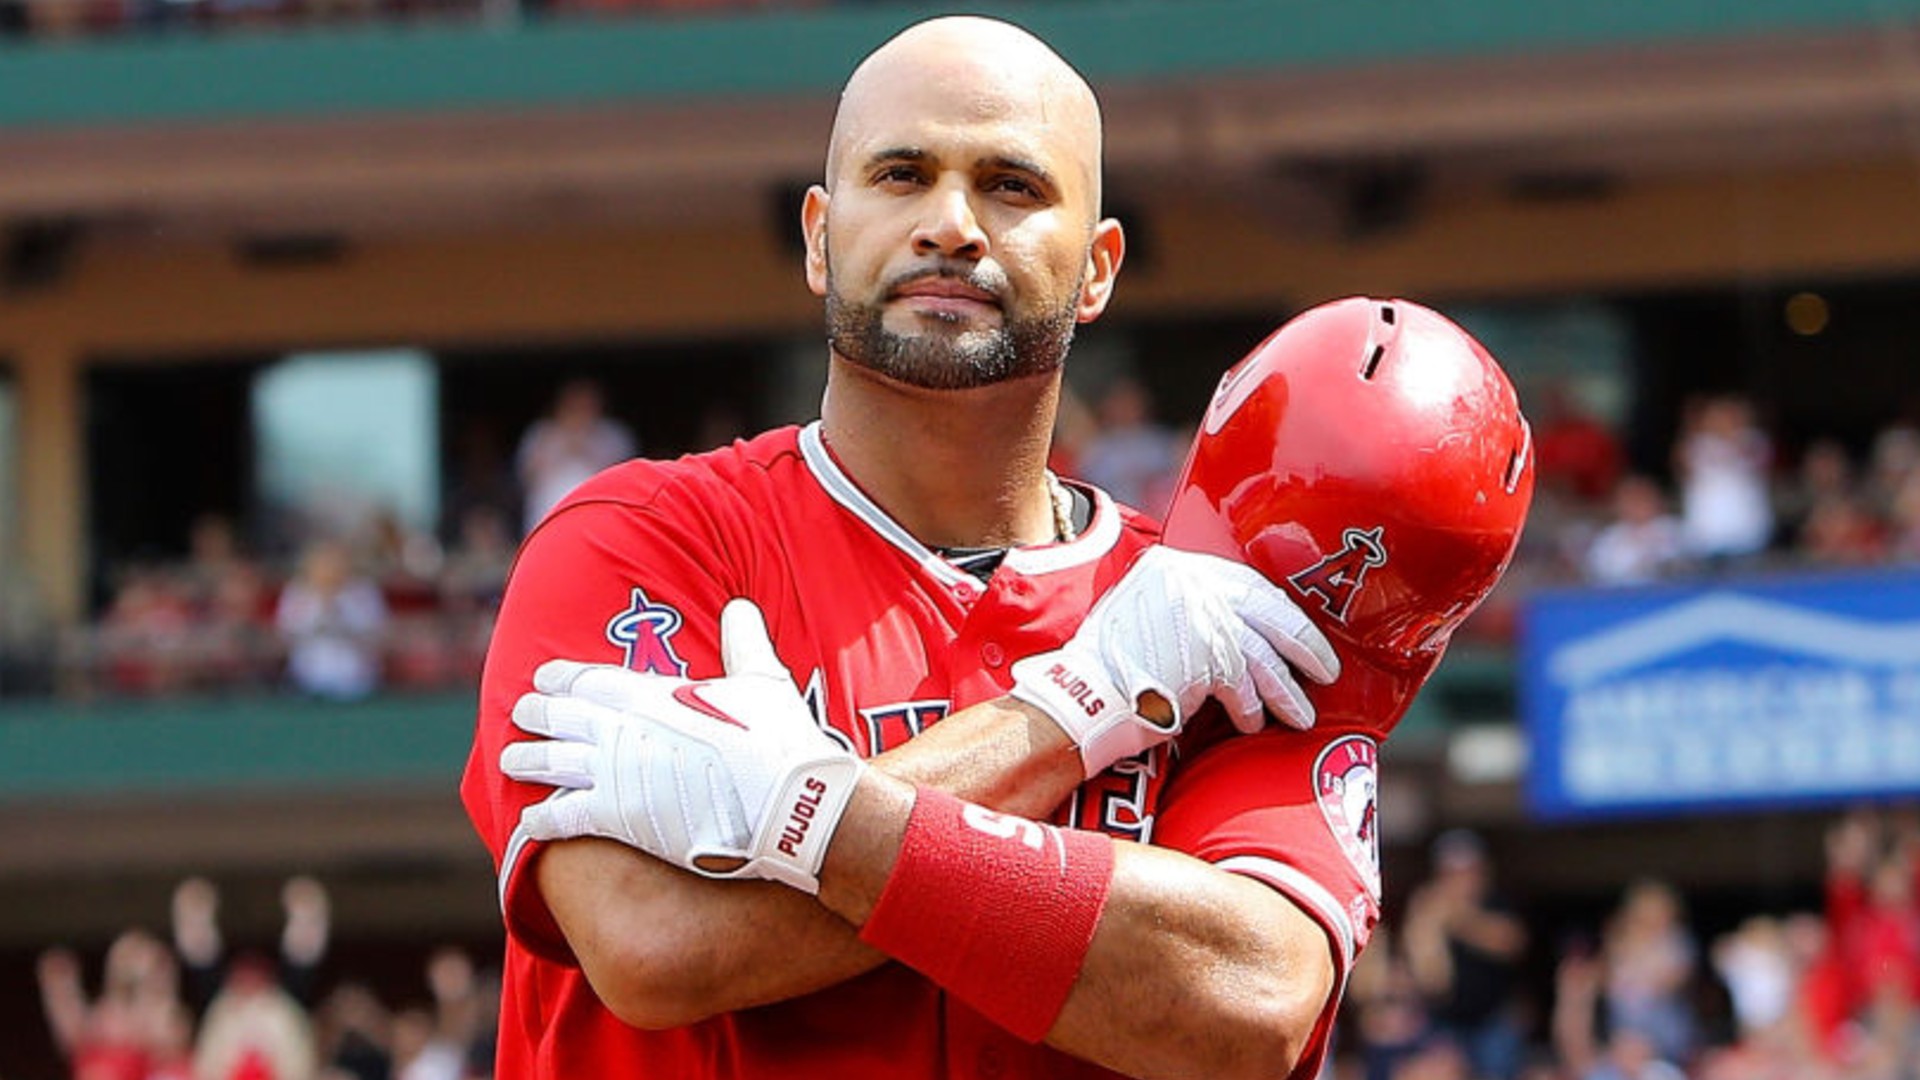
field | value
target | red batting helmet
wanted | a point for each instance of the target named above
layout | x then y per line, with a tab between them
1370	458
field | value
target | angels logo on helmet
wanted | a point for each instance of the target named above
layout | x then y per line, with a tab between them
1337	577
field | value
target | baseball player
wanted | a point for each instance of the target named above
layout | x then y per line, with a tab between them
800	823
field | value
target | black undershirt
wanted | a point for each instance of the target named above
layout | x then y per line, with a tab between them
982	562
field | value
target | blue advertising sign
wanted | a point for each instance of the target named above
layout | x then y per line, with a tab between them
1794	691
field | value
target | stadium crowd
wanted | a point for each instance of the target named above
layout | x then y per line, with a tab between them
1733	503
1826	994
1443	993
191	1009
347	612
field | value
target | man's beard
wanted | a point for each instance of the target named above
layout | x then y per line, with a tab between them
950	359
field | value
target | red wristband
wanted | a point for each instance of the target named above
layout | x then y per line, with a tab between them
998	910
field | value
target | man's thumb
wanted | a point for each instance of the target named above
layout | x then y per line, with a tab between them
745	648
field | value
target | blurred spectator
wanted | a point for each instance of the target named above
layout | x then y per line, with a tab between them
485	1038
254	1030
1464	946
1648	956
213	554
135	1029
1384	1004
1903	521
1841	532
1436	1059
407	564
1643	541
470	586
475	572
1872	915
1766	973
572	443
1825	473
1632	1055
481	475
1722	460
354	1035
304	938
1576	1004
1132	456
145	637
405	561
1894	460
332	621
436	1045
417	1053
254	1021
235	646
1575	455
197	940
1761	973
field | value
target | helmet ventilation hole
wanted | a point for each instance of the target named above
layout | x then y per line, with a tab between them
1517	457
1387	317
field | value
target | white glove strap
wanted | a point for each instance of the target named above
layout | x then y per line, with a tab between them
798	824
1093	712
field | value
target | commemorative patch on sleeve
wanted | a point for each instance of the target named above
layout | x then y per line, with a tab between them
1346	783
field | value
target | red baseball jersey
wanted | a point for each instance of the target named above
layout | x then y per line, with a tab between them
883	637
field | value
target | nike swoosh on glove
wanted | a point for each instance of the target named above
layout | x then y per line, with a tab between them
728	777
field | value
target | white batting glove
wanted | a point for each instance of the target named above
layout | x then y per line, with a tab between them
729	777
1176	629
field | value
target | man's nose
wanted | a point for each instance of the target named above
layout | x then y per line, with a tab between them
949	227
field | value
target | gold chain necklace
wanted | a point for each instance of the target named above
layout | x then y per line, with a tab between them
1063	529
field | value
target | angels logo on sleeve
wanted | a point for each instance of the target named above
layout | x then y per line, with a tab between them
644	633
1346	783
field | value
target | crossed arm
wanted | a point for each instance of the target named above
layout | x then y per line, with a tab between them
1192	970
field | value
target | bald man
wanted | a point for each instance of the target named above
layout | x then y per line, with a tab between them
958	880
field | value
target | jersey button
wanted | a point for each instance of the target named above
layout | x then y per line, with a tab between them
993	654
964	592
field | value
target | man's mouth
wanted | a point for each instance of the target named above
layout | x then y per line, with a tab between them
942	294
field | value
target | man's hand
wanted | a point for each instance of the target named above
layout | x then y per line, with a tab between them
729	777
1177	629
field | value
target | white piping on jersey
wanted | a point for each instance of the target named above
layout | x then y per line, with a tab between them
510	861
1291	881
1099	538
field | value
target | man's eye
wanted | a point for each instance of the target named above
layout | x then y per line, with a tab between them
898	174
1014	185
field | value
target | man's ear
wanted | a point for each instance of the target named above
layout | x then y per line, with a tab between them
813	229
1105	253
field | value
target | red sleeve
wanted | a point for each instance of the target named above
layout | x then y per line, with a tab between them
1846	902
1298	812
601	582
